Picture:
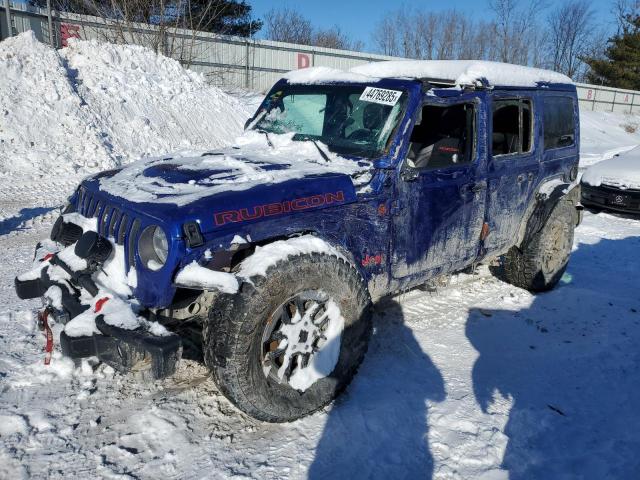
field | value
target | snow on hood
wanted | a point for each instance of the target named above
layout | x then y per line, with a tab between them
185	178
622	171
462	72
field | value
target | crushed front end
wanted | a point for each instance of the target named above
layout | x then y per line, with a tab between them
82	276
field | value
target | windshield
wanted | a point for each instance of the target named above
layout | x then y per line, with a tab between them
350	119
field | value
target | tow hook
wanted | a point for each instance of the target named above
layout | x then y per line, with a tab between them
43	326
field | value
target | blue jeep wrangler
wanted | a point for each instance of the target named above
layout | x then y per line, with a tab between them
345	188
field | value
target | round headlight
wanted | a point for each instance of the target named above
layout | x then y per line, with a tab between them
153	247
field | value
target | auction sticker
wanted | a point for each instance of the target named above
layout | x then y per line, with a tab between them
380	95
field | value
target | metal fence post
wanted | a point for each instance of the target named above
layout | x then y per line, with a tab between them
7	11
246	64
52	39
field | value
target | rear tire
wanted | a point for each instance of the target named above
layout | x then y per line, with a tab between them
539	264
235	332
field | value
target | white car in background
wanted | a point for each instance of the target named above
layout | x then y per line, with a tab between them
614	184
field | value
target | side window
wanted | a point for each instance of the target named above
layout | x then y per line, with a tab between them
559	122
512	127
445	137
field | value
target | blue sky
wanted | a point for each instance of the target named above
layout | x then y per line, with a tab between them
358	17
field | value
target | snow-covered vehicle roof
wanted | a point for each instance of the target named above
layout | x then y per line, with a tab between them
454	72
621	171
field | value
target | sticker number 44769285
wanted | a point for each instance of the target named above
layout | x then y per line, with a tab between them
380	95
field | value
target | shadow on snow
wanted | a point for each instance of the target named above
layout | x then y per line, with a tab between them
12	223
379	429
570	364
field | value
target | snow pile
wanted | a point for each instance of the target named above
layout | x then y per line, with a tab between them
603	135
148	104
194	275
269	255
44	126
254	160
94	106
622	171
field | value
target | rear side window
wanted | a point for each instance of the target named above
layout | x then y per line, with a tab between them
512	127
559	122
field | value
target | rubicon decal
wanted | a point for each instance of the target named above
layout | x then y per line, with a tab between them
271	209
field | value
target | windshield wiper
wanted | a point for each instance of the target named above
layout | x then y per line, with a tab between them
322	153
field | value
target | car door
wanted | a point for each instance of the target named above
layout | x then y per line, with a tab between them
441	204
513	166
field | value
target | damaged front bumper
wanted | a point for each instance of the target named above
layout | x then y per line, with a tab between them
69	293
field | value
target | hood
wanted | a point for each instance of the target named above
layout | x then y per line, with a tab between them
255	179
622	171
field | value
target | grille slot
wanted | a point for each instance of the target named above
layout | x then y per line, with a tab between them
112	223
115	216
92	208
122	229
80	200
131	243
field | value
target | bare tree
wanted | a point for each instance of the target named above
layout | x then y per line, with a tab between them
288	25
569	35
333	37
622	9
513	27
385	37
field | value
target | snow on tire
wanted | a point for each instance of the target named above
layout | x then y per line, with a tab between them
290	341
540	263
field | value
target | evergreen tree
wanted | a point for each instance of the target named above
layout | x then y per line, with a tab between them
229	17
621	66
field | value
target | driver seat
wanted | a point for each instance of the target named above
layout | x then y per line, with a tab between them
373	116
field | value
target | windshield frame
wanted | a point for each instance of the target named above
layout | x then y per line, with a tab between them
410	88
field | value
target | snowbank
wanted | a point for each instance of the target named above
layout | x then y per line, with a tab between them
604	135
44	126
149	104
94	106
622	171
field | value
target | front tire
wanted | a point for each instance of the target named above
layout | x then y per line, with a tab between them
539	264
289	342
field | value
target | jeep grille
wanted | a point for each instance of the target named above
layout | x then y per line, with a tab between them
112	222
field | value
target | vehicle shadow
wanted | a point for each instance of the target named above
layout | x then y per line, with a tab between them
12	223
379	427
569	365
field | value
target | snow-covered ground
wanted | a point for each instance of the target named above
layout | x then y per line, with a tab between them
477	380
